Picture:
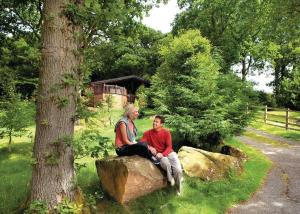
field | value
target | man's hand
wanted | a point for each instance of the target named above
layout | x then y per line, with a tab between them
152	150
159	155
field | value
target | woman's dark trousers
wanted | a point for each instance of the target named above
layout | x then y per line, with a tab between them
140	149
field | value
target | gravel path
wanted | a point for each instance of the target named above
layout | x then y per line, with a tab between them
281	190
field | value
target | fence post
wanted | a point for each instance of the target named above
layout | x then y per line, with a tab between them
287	119
265	116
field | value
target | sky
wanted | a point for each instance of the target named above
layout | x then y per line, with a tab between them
161	19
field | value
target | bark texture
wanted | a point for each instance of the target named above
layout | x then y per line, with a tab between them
53	173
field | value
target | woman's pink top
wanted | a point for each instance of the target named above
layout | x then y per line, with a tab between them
118	141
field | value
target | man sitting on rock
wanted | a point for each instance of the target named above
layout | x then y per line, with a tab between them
159	142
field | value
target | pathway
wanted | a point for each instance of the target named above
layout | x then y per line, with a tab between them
281	190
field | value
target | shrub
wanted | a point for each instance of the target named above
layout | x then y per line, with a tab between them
198	102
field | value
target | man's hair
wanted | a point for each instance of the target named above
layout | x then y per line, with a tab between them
128	109
161	118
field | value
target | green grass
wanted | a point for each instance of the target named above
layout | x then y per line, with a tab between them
15	173
198	196
261	138
281	132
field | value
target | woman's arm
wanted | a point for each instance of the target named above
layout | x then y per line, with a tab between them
124	134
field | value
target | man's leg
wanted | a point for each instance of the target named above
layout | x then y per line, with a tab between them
177	169
166	165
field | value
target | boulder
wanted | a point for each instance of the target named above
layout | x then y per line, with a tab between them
234	152
126	178
206	165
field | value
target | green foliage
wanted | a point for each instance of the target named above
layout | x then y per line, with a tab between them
109	101
142	99
62	102
129	52
290	91
185	88
200	104
18	67
231	26
21	18
16	115
90	143
37	207
238	99
266	99
82	112
67	207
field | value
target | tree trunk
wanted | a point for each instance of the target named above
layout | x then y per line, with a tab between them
10	141
280	72
53	173
244	70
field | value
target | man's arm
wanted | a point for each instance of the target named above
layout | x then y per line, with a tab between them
168	142
146	139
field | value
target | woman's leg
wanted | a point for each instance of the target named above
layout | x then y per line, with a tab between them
140	149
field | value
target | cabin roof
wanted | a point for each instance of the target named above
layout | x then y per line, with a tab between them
120	80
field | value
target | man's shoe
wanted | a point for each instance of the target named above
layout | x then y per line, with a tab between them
155	160
172	182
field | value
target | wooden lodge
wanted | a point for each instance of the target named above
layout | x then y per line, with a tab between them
122	89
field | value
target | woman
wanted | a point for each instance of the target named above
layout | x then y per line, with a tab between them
126	132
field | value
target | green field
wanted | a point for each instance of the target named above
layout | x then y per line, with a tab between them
197	197
276	124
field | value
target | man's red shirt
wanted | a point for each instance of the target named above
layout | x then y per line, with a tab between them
161	140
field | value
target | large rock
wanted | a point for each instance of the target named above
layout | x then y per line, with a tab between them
234	152
126	178
206	165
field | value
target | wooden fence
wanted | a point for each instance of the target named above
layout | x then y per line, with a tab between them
283	118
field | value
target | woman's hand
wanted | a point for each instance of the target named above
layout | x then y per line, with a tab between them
153	150
159	155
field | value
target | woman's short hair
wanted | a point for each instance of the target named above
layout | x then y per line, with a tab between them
128	109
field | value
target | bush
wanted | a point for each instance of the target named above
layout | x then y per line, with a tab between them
266	99
16	115
199	103
289	95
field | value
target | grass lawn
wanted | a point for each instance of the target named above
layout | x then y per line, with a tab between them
282	132
261	138
15	173
197	197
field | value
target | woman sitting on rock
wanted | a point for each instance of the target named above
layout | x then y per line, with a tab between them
126	132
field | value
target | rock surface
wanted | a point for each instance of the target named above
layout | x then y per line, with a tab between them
206	165
234	152
129	177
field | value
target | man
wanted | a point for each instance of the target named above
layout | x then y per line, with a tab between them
160	144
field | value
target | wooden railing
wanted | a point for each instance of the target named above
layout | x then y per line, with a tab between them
283	120
114	89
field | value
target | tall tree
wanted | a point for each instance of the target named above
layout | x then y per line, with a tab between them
68	28
232	26
282	31
53	173
134	52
